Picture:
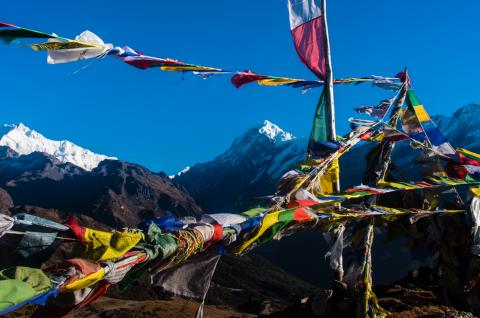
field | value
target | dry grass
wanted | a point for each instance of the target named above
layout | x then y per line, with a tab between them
118	308
110	307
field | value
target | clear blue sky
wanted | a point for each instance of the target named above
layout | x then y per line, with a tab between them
159	120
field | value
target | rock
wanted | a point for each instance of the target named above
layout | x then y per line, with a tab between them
6	201
319	302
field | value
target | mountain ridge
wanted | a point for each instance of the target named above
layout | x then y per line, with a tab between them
254	162
272	157
24	141
116	193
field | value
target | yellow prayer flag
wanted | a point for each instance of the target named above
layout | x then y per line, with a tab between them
55	46
422	114
475	191
103	246
86	281
187	68
268	221
330	178
277	81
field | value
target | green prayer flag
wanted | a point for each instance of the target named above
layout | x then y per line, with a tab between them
319	131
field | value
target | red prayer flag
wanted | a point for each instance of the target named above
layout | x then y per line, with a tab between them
240	79
309	36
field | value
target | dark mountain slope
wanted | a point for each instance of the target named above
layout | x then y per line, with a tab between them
116	193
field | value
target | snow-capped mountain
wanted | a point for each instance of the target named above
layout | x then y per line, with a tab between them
463	127
24	141
46	174
250	167
274	132
255	161
115	193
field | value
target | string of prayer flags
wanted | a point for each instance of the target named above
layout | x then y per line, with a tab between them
88	45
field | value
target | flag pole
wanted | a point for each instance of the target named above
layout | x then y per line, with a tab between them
332	133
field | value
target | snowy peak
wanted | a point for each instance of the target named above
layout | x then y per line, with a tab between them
249	168
183	171
275	133
24	141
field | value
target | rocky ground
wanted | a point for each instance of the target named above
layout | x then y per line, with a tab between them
110	308
404	299
408	298
107	307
